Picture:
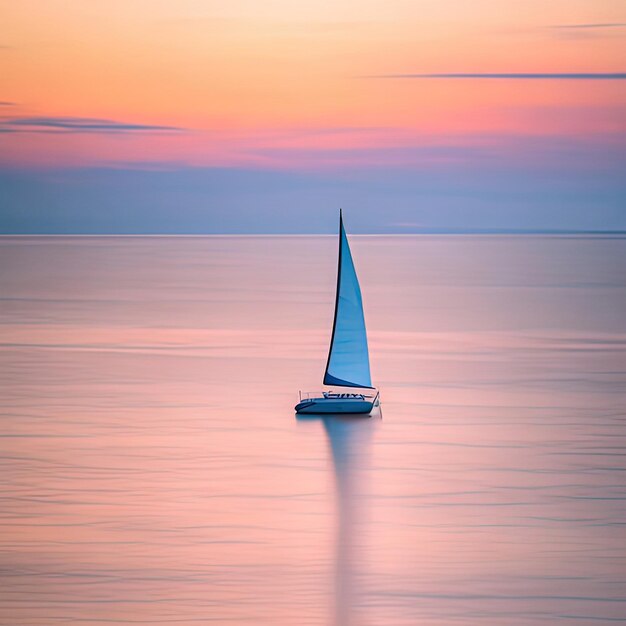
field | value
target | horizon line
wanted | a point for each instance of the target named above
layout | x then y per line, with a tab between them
426	232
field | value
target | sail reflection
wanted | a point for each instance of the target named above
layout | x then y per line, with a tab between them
349	438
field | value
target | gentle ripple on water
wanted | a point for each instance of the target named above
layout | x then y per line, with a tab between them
152	469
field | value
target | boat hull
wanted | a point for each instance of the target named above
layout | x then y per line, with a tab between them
335	405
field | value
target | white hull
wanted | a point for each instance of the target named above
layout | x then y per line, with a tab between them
323	405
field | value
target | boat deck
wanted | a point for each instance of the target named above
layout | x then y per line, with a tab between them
327	402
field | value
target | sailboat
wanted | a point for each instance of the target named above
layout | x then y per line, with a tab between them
348	362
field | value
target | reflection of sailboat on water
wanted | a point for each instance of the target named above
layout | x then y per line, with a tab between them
349	440
348	357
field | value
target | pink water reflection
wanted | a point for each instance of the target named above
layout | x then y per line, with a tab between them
152	469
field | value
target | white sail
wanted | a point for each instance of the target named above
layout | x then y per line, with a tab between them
348	358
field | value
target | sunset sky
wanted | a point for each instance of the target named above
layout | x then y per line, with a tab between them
150	116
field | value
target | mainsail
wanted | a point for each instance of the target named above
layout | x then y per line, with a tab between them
348	358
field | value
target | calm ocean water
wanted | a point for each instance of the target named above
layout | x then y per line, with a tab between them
152	470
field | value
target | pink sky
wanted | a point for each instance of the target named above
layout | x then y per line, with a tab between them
266	117
240	79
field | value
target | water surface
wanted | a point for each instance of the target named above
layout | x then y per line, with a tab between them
152	469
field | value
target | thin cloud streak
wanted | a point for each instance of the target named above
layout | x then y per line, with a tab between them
589	26
513	75
80	124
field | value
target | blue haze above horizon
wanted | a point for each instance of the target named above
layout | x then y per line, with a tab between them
210	200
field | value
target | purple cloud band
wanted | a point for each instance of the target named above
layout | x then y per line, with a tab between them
79	124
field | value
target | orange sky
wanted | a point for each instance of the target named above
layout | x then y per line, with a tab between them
245	77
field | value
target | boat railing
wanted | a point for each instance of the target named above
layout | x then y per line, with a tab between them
311	395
